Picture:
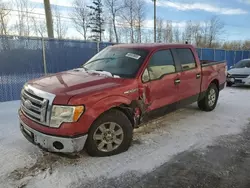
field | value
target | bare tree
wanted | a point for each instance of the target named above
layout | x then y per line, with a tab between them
39	27
25	9
197	33
140	14
236	45
204	42
215	30
3	18
129	17
125	34
168	32
110	31
159	31
80	17
148	36
176	34
246	45
61	27
114	7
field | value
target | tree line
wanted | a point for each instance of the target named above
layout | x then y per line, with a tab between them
120	21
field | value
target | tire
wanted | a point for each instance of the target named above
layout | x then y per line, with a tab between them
208	103
229	84
105	130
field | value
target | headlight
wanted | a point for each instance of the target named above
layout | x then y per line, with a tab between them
62	114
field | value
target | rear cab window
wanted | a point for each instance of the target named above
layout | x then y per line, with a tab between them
160	64
186	58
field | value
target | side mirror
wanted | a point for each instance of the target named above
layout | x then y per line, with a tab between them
145	76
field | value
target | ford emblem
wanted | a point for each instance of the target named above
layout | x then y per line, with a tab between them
27	104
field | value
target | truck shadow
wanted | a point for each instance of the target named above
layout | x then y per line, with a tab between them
221	164
240	87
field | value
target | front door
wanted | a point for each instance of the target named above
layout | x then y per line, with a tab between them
164	79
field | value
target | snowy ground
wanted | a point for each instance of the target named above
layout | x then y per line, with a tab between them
24	165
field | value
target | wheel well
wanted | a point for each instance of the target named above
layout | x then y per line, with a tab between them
216	82
128	111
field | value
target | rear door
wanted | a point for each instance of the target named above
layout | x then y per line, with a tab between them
190	78
163	75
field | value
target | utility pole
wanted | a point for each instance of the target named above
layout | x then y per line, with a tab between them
49	20
154	21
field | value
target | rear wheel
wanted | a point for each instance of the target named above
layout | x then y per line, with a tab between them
110	134
209	102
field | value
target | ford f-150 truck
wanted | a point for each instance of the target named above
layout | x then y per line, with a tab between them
98	105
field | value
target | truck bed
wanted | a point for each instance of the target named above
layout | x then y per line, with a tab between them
205	63
211	70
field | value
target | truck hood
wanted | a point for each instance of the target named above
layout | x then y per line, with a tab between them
71	83
245	71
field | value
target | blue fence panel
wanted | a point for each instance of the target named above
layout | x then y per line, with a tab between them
21	60
238	56
199	52
105	44
220	55
64	55
207	54
230	58
246	54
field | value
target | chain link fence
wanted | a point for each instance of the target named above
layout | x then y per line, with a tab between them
23	59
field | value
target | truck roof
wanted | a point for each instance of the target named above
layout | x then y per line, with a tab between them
152	46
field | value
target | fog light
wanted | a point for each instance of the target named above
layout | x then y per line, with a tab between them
232	80
58	145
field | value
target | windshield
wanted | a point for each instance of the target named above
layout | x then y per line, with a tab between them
243	64
123	62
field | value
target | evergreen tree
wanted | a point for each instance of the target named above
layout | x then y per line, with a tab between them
96	20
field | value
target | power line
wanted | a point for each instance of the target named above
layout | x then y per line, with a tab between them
69	18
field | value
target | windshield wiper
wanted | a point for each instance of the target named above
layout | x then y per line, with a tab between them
99	60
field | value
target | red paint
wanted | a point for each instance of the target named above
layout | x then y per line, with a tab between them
98	94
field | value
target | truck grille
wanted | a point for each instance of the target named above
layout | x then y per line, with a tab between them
36	107
239	75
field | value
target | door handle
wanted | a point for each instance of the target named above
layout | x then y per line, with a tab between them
177	81
198	75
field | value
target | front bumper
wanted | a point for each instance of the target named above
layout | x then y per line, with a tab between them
53	143
240	81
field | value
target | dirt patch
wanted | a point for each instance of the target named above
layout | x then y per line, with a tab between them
47	162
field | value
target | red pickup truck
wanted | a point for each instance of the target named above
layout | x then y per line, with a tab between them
98	105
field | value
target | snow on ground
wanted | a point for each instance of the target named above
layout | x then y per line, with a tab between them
154	144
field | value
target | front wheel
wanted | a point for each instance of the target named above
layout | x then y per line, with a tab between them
229	84
209	102
110	134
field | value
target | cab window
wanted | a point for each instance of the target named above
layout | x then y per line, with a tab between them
160	64
186	59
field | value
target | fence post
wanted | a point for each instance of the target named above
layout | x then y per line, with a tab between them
225	54
242	56
98	46
201	54
214	54
44	57
234	57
